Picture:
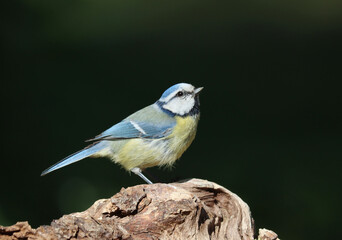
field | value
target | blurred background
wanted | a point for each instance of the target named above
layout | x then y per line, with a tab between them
270	128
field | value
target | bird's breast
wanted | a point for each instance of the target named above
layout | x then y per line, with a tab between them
144	153
183	134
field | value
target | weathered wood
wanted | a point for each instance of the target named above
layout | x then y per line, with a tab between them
193	209
265	234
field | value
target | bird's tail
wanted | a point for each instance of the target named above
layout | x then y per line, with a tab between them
77	156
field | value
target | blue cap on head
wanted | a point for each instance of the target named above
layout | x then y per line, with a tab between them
171	90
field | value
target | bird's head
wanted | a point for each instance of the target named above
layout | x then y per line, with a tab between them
181	99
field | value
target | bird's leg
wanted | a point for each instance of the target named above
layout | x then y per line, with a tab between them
148	174
138	172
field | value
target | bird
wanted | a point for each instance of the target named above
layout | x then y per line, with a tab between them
156	135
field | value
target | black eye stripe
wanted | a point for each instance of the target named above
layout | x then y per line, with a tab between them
180	93
184	93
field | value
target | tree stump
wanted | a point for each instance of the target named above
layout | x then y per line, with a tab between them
192	209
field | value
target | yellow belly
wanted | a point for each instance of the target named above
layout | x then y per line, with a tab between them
144	153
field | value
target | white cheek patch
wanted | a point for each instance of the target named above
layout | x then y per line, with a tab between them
180	106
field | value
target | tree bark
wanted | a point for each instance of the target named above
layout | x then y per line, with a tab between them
192	209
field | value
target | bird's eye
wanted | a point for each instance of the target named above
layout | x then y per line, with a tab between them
180	93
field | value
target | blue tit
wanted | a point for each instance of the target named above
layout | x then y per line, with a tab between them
156	135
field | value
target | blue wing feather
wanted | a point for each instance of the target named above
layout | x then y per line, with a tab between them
128	129
150	122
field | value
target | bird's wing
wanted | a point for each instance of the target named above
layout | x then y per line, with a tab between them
150	123
128	129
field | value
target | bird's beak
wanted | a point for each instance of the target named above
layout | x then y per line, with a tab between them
197	90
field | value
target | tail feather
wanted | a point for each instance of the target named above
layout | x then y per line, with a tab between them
75	157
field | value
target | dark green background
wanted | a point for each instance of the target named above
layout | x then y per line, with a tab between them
270	129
